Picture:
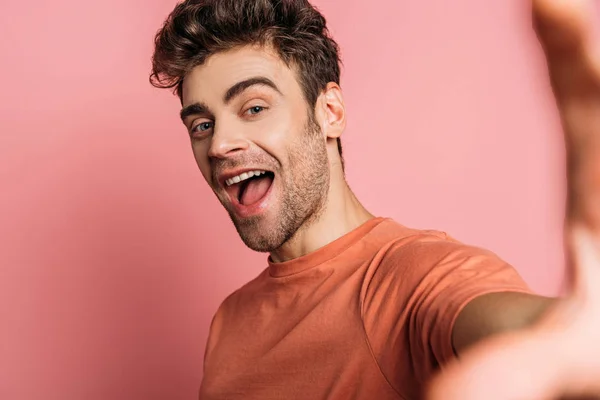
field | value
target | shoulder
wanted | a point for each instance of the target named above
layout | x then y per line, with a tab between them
243	293
231	305
432	264
419	252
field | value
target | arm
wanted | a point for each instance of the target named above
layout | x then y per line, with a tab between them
558	356
495	313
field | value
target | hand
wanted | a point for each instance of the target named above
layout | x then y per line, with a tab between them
558	357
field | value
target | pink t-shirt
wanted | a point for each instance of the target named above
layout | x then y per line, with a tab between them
369	316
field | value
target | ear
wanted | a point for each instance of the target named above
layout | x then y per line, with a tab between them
331	112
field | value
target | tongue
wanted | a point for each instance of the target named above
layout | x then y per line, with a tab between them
255	190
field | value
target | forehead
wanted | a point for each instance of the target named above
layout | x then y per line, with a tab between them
209	81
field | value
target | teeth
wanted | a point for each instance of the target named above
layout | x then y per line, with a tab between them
243	177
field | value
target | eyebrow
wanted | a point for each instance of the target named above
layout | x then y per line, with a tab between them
240	87
194	109
232	92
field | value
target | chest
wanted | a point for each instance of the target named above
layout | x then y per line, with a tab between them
307	344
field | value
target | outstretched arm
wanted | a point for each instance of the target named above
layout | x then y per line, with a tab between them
556	354
496	313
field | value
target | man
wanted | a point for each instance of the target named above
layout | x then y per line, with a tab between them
352	306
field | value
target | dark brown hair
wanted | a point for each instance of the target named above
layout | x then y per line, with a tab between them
197	29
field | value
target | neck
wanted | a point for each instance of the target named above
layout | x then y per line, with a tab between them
341	213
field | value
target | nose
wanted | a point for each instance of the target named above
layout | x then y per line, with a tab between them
226	141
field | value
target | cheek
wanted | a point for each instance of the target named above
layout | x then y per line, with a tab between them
279	133
201	157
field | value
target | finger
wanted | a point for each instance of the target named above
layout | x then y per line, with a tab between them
561	24
583	172
505	369
565	29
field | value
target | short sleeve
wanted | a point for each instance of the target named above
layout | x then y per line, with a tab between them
415	293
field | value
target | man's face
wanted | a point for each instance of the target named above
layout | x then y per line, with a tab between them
256	143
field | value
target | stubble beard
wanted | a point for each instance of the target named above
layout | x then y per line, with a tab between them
303	195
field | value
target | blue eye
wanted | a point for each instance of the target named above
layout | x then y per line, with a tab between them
202	127
256	110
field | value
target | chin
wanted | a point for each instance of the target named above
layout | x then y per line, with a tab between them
260	246
260	241
260	233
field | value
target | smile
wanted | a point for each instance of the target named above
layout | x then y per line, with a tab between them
249	191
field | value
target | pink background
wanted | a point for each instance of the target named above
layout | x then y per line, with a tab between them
114	254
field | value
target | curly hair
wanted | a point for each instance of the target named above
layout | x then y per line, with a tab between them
197	29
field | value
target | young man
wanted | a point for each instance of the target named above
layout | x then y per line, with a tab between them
352	306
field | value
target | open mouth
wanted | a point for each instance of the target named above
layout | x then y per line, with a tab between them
250	187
